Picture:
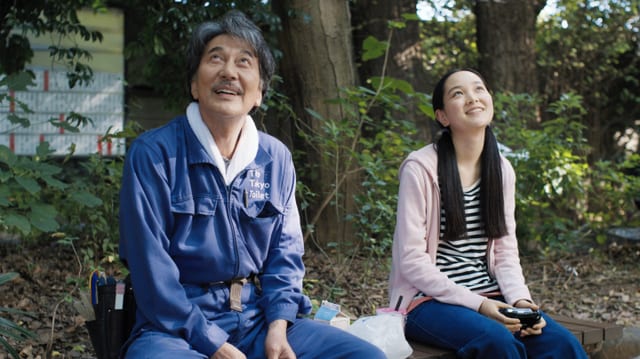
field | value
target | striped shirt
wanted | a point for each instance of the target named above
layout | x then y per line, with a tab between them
464	260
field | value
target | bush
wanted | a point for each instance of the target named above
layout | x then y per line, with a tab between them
374	139
10	329
561	198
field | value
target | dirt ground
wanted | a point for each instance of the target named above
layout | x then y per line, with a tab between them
601	284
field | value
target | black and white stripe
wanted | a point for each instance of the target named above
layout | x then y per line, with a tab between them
464	260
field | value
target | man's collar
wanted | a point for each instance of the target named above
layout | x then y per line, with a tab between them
245	152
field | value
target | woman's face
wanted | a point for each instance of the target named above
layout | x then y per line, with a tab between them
468	105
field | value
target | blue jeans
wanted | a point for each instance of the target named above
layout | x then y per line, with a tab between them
472	335
247	331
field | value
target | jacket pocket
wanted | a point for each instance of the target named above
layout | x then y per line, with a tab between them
201	205
263	209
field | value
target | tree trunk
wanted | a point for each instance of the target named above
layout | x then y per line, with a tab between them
506	34
318	61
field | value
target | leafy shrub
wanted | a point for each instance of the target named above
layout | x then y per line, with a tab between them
88	210
23	209
8	328
375	143
561	198
64	198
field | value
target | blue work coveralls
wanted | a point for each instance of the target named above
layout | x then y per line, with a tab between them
184	233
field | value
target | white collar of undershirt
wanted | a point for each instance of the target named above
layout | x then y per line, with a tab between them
245	152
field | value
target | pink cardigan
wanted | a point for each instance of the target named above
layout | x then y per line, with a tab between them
415	241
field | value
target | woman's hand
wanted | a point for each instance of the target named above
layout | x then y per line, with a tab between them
228	351
537	328
276	345
490	308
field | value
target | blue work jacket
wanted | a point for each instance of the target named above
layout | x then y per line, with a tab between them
180	225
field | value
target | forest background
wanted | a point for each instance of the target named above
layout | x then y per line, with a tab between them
351	99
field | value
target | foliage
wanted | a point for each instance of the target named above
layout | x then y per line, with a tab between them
42	194
22	180
591	48
587	60
9	329
58	19
389	140
613	193
575	174
45	195
549	167
163	33
449	42
370	147
89	209
560	197
23	208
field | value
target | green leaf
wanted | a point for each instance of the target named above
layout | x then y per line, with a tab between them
45	169
314	114
30	184
18	120
44	150
11	350
6	277
66	126
18	81
158	47
396	24
17	221
5	194
43	216
373	48
411	16
6	156
426	109
15	331
402	85
54	183
86	198
392	84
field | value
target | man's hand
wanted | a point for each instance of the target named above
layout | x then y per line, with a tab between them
490	308
276	345
228	351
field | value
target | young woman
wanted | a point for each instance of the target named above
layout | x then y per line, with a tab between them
455	253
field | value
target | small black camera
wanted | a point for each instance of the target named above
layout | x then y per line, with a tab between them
528	317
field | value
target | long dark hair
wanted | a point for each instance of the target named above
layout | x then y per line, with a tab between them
491	190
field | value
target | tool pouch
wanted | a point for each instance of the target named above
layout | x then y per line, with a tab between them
115	313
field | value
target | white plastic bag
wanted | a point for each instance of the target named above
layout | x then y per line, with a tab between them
386	331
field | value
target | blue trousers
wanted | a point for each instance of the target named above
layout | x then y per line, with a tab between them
248	330
472	335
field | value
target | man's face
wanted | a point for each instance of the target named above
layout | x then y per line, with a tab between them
227	83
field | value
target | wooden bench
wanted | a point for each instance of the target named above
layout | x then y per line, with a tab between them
591	334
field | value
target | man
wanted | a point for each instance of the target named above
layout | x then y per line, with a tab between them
210	229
